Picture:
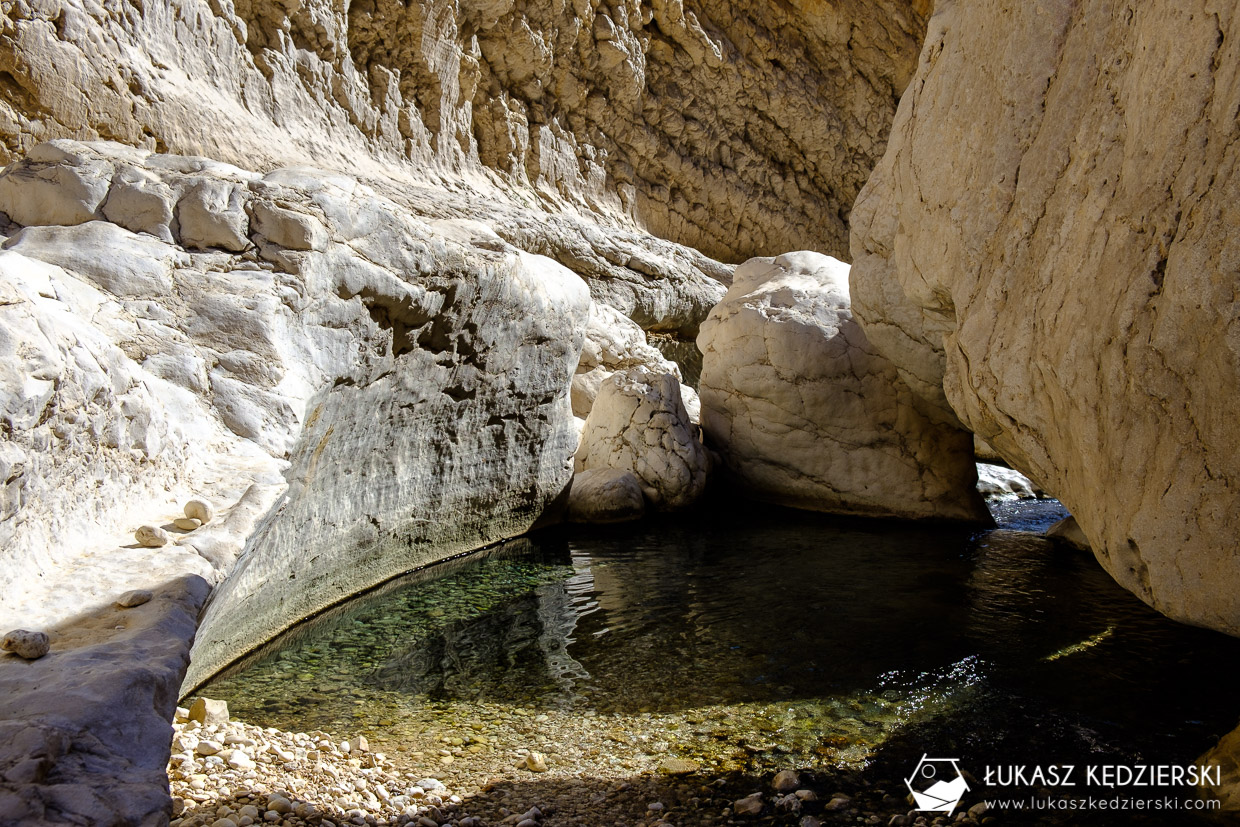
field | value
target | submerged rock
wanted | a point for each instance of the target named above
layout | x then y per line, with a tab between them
605	495
805	412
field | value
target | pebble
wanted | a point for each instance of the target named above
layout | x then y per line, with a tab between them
750	805
205	748
187	523
151	537
26	644
134	598
678	766
786	781
536	762
200	510
209	712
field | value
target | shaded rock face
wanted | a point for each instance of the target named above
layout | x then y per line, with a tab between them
1050	250
85	731
735	128
805	412
362	392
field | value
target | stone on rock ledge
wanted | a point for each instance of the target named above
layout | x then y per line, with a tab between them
137	597
200	510
151	536
26	644
805	412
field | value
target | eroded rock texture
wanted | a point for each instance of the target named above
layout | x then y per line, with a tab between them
1050	240
738	129
805	412
363	392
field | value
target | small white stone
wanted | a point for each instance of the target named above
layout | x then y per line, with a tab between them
207	748
151	536
209	712
187	523
200	510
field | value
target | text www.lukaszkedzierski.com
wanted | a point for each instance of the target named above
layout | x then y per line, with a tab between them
1116	803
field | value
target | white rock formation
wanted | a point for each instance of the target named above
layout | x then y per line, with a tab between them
996	482
805	412
613	342
1054	258
376	368
605	495
735	128
639	424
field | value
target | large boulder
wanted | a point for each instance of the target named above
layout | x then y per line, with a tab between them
805	412
639	424
1049	250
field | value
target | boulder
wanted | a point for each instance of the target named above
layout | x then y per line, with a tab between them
605	495
613	342
1059	271
805	412
639	424
1069	532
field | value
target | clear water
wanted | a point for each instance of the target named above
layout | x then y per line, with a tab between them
762	638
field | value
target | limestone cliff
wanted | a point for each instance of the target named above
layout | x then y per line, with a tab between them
1049	247
735	128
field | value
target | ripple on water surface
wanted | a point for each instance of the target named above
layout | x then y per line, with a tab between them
752	638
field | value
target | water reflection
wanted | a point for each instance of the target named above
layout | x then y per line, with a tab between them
820	636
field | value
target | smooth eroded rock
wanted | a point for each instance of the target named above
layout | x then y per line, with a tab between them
805	412
605	495
136	597
151	536
200	510
1055	260
639	423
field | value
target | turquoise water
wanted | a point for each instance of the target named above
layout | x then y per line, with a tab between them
761	638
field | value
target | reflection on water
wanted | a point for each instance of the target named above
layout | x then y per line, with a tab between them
784	636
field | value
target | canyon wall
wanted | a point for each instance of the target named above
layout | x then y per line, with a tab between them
1049	250
737	129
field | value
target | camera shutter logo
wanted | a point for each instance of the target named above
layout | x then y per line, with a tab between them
937	784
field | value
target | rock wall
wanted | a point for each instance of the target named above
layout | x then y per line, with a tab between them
1049	247
359	391
739	129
